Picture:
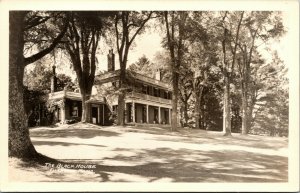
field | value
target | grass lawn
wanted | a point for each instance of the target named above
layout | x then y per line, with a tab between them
87	152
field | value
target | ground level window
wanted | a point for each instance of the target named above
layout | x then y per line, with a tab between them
75	111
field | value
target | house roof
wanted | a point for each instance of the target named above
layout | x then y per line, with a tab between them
113	75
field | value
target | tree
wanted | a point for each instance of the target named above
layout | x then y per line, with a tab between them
19	143
143	66
31	99
175	35
230	24
37	83
185	93
128	24
39	78
270	114
163	62
202	56
83	36
257	28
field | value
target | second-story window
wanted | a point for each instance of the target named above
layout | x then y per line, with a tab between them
144	89
155	92
149	90
166	95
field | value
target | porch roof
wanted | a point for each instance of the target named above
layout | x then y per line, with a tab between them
73	96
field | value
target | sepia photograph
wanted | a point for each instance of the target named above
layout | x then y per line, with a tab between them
151	98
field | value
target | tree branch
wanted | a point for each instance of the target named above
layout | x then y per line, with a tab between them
46	51
236	40
140	28
35	22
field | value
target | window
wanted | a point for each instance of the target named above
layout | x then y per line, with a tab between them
115	108
155	92
145	89
149	90
166	95
74	108
75	112
170	95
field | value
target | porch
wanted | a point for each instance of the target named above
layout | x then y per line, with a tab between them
143	113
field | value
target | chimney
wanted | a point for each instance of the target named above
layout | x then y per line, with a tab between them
158	75
53	80
110	61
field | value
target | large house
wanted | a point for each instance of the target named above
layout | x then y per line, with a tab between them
66	106
147	102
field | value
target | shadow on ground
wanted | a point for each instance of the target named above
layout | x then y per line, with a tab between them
229	140
55	143
169	164
83	131
195	136
183	166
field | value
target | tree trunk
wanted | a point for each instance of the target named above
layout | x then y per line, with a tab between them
121	99
245	99
227	118
185	113
197	112
244	113
121	109
85	116
198	96
19	143
184	118
182	115
175	85
250	117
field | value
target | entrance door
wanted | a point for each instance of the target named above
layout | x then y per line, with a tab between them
166	116
156	115
94	115
101	120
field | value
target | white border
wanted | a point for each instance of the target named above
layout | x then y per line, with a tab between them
292	7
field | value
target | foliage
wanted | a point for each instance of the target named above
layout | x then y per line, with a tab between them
39	79
143	66
270	115
113	117
175	42
127	25
20	25
257	28
83	36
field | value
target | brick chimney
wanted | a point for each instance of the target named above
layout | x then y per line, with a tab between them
53	80
110	61
158	75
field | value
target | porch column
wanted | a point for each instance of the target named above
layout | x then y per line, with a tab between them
133	112
170	116
159	118
40	114
126	113
98	113
103	113
63	112
147	113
